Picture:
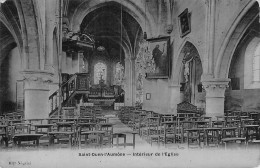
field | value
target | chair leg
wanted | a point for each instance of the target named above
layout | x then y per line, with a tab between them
70	141
5	139
124	141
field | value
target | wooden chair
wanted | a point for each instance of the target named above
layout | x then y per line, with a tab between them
93	138
4	134
83	127
153	130
169	135
142	122
218	123
167	118
108	135
251	132
65	134
228	132
150	129
134	120
212	136
194	137
22	133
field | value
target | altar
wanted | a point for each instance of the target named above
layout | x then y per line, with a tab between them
101	94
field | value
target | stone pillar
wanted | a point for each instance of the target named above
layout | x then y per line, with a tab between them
133	81
215	96
36	93
128	83
174	98
210	36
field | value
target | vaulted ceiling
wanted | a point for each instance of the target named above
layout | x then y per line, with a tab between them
112	27
9	27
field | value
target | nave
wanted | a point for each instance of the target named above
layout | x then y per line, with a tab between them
131	128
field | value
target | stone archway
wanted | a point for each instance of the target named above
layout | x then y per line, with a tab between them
234	35
187	55
128	17
137	11
190	71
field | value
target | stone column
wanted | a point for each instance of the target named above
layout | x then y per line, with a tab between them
215	96
133	81
174	98
210	36
128	83
36	93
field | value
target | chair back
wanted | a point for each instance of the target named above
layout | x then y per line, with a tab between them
21	128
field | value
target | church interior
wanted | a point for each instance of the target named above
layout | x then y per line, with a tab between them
129	73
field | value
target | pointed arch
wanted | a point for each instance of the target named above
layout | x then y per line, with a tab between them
232	38
181	54
136	11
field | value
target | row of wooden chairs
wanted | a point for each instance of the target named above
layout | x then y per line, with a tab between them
69	129
190	127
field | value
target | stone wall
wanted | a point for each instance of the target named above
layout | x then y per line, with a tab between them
10	73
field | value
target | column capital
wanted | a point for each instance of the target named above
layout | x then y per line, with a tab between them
37	80
215	87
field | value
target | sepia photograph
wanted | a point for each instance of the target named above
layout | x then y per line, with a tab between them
130	83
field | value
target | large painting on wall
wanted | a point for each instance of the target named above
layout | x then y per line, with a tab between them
159	48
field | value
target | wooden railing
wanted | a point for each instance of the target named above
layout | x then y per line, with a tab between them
101	93
78	82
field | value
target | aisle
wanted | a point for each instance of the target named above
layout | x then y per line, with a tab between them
120	127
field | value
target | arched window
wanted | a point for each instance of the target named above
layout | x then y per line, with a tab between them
252	65
256	64
100	72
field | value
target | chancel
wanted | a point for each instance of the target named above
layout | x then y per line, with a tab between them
177	74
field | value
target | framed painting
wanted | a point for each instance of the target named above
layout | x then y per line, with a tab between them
159	48
148	96
184	23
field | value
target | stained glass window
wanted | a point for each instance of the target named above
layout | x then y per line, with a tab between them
100	72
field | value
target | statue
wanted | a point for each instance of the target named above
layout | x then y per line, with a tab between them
139	82
101	81
186	71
